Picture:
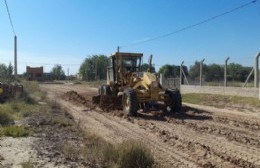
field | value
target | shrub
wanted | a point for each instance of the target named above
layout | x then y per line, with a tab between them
134	154
28	164
15	131
71	151
5	118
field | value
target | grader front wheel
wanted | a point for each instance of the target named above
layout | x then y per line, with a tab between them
129	102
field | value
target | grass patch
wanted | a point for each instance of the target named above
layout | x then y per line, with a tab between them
97	150
229	83
212	99
5	118
17	109
14	131
134	154
129	154
28	164
32	92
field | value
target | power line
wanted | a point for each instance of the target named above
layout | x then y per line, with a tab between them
42	63
9	16
193	25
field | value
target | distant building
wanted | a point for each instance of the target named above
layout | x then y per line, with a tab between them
34	73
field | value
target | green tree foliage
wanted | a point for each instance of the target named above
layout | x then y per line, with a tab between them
57	73
172	71
237	72
194	71
6	72
145	67
94	68
214	72
3	71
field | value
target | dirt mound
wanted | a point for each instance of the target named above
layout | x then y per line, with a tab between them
106	103
78	99
109	103
75	97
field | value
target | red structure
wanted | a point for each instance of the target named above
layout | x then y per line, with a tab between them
34	73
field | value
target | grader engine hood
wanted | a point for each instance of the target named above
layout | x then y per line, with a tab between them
149	79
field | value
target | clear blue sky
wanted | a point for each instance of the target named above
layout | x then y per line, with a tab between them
67	31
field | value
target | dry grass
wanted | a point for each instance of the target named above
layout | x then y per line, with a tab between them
18	108
28	164
132	154
15	131
199	98
5	118
129	154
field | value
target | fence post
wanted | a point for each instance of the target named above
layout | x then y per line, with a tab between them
201	63
181	80
161	79
256	74
225	73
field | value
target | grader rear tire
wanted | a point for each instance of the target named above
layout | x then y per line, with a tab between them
174	101
129	102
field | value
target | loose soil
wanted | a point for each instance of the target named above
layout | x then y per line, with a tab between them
199	136
55	141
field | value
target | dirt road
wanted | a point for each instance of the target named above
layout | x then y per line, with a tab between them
198	137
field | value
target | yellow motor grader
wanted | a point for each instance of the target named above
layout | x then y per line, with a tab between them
135	89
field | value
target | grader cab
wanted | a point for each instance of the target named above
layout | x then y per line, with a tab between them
135	88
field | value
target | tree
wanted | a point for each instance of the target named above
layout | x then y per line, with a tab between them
57	73
10	70
172	71
94	67
145	67
194	71
3	71
6	72
237	72
215	72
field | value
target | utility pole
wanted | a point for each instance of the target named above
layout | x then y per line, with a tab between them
225	72
201	64
15	57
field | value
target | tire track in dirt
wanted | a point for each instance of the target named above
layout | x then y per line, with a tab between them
232	134
117	131
238	154
248	120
